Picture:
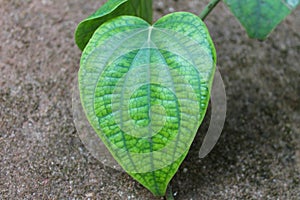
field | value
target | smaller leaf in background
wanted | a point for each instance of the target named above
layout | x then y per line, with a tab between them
260	17
110	10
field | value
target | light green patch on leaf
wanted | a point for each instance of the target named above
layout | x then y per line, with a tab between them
110	10
260	17
145	90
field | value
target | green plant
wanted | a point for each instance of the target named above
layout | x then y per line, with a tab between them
145	87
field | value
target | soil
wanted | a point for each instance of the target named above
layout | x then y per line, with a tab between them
42	157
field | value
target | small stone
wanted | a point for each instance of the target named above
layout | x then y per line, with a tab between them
89	195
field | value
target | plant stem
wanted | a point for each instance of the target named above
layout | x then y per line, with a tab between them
143	9
209	7
147	10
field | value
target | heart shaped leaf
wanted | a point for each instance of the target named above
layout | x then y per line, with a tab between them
260	17
145	90
110	10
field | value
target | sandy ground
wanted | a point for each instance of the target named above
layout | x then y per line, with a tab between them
42	157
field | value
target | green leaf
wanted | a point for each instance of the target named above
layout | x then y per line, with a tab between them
110	10
260	17
145	90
